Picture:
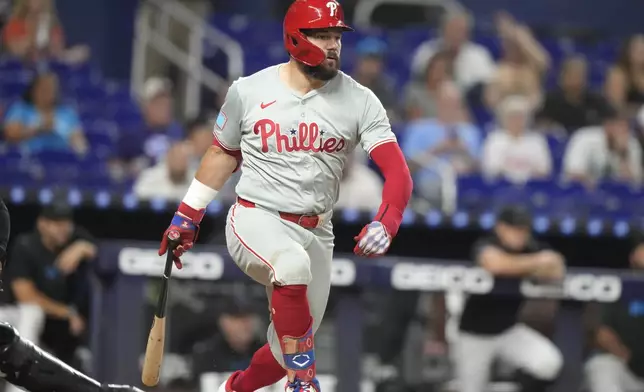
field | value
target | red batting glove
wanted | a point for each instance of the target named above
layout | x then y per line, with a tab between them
186	222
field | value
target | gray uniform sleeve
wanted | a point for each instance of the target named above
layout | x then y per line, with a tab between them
374	129
227	130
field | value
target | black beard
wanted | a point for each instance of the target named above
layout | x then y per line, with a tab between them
319	72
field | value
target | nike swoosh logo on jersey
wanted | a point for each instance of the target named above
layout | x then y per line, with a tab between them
264	106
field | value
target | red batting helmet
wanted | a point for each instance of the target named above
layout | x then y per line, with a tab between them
310	14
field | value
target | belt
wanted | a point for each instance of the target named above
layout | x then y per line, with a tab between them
306	221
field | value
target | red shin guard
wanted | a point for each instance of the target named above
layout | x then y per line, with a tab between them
294	326
264	370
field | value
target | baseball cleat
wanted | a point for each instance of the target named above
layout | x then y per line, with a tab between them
303	386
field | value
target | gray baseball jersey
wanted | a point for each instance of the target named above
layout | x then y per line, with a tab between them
294	146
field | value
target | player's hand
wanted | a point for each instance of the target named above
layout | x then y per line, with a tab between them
373	240
551	267
76	325
187	228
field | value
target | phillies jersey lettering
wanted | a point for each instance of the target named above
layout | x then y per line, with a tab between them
294	147
307	137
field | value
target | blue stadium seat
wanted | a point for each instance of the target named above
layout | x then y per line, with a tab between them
473	192
89	93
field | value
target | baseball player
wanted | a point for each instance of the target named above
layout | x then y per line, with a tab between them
27	366
489	328
291	128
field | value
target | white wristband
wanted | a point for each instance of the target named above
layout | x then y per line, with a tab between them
199	195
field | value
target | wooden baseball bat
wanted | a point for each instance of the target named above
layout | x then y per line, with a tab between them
156	338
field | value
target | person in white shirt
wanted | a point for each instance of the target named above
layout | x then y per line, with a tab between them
168	179
473	63
609	151
513	151
361	187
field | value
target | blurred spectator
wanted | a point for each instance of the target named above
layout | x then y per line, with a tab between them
361	187
625	81
514	152
368	71
572	105
449	140
522	66
47	269
199	136
40	122
489	328
170	178
473	64
619	363
608	151
398	311
147	145
5	11
420	96
34	33
233	347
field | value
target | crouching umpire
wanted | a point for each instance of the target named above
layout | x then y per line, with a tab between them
27	366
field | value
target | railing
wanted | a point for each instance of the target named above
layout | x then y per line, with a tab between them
155	35
365	8
448	182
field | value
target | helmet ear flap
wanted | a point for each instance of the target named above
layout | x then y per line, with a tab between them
303	50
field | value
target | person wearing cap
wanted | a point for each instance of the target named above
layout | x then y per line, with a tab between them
369	69
46	270
608	151
142	145
26	366
513	152
489	327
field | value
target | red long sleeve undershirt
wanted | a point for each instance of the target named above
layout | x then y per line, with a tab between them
398	185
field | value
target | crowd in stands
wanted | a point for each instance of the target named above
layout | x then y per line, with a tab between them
464	111
468	114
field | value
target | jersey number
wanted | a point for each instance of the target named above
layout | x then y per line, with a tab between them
332	6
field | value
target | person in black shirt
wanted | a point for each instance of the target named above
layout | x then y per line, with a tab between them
25	365
47	270
618	366
572	105
233	347
488	325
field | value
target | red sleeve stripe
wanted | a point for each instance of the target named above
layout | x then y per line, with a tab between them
223	145
380	143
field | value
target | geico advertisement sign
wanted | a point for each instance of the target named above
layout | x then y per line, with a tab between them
208	266
578	287
147	262
343	272
424	277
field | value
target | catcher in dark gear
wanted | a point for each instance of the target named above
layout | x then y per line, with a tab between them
27	366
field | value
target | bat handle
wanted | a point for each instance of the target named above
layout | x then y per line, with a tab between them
174	239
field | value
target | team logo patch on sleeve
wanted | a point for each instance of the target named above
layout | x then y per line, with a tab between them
221	120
